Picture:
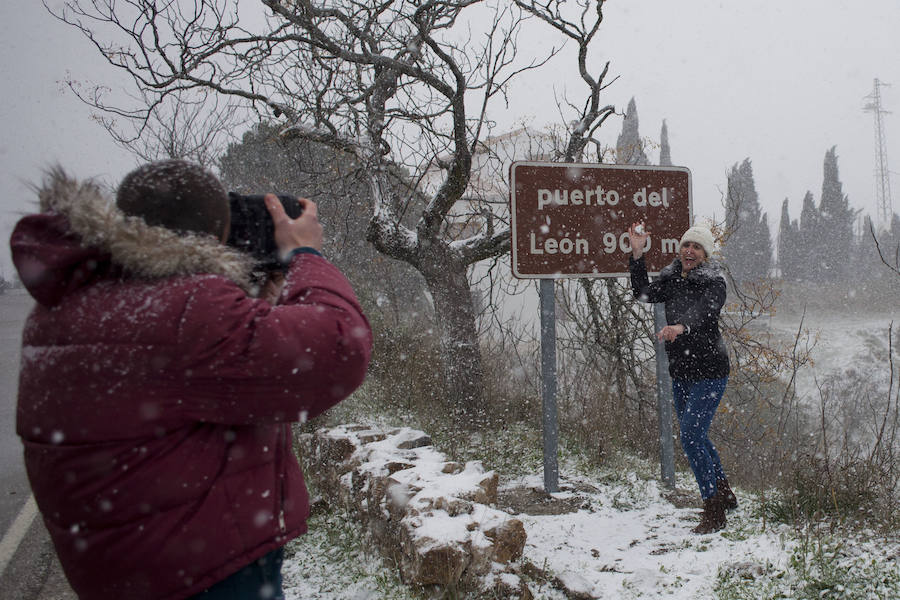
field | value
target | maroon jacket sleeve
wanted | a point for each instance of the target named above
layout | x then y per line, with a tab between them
246	361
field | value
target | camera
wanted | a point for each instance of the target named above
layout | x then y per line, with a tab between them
252	230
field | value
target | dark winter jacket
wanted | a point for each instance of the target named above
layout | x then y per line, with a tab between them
693	300
155	395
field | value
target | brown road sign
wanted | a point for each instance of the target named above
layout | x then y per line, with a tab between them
570	219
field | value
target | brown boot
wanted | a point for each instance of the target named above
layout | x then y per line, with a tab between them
713	516
723	491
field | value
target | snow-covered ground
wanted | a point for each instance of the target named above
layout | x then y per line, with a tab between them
627	540
633	543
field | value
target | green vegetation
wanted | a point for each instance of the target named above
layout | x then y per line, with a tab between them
820	565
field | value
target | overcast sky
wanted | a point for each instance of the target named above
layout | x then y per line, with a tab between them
776	82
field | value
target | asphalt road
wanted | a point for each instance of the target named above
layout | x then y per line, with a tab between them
28	566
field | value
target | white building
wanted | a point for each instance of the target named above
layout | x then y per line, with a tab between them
487	196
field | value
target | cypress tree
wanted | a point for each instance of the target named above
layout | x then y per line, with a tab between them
865	254
869	264
763	242
629	147
836	222
748	250
809	250
788	242
665	154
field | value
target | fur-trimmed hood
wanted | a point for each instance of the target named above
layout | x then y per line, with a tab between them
707	270
81	235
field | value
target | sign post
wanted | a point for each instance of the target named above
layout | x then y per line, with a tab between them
571	220
548	385
664	400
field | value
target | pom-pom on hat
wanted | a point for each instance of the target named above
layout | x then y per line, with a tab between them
177	195
699	235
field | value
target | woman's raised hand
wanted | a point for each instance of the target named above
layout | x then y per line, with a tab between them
637	237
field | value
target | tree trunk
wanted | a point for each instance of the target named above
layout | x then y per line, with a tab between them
462	372
445	271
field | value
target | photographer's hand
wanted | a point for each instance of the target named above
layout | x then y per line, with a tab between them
304	231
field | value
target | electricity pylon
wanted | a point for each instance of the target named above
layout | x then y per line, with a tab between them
883	203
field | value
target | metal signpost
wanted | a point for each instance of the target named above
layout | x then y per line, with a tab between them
570	220
548	385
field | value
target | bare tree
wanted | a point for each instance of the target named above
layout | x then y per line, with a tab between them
194	128
401	86
581	28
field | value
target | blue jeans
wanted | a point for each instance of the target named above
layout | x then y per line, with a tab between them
260	580
695	404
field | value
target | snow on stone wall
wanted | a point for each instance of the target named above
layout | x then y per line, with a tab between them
432	516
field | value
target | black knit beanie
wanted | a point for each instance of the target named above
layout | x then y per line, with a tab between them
177	195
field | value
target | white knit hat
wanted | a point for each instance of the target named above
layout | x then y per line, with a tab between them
699	235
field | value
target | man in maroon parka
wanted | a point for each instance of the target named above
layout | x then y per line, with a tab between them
156	391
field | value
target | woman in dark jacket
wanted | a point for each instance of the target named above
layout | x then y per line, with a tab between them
693	290
156	390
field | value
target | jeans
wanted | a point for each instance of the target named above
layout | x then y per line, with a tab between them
260	580
695	404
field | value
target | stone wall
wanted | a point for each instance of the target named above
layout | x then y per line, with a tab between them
433	517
